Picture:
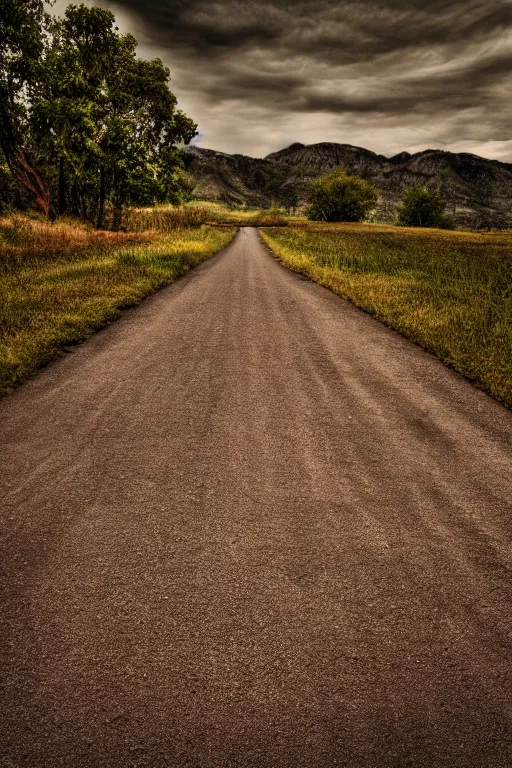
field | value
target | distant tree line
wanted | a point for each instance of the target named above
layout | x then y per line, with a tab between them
84	123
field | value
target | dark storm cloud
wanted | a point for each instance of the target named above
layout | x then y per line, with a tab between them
272	62
349	28
392	29
460	89
268	82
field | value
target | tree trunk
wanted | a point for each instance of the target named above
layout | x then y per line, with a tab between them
27	177
31	180
101	205
62	188
117	218
74	199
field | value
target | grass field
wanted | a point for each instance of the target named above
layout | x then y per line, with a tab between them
451	292
60	282
167	217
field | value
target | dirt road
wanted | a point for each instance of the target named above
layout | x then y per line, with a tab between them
247	525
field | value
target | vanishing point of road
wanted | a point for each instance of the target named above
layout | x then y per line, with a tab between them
249	526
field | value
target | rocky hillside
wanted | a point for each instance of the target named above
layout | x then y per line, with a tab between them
478	192
234	179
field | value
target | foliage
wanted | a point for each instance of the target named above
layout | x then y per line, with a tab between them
23	25
338	197
289	198
59	282
11	196
423	207
101	124
448	291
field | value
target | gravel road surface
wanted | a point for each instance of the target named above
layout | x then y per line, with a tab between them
249	526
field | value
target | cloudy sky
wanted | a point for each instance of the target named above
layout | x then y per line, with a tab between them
389	75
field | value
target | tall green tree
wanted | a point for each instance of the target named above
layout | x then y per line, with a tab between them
112	117
23	36
105	122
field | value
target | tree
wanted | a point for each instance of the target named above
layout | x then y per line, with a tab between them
338	197
111	117
423	207
289	197
140	127
104	122
23	25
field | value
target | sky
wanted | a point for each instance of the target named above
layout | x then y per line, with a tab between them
388	75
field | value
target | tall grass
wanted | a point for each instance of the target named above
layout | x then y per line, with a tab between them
449	291
269	217
59	283
167	218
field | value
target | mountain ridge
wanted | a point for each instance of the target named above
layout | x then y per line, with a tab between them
477	190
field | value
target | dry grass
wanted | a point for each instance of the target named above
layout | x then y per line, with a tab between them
269	218
219	215
59	283
167	218
451	292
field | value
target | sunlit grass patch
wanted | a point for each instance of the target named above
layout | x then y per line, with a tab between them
59	283
451	292
168	218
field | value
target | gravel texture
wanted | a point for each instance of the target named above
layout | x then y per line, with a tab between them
249	526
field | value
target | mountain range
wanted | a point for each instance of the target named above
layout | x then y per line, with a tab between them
477	191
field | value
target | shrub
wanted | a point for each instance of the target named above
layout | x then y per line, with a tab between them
423	207
270	217
338	197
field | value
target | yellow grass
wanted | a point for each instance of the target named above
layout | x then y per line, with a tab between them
451	292
59	283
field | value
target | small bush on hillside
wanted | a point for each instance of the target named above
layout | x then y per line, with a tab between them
423	207
338	197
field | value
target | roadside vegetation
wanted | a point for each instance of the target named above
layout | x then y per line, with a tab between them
165	218
59	283
451	292
222	215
